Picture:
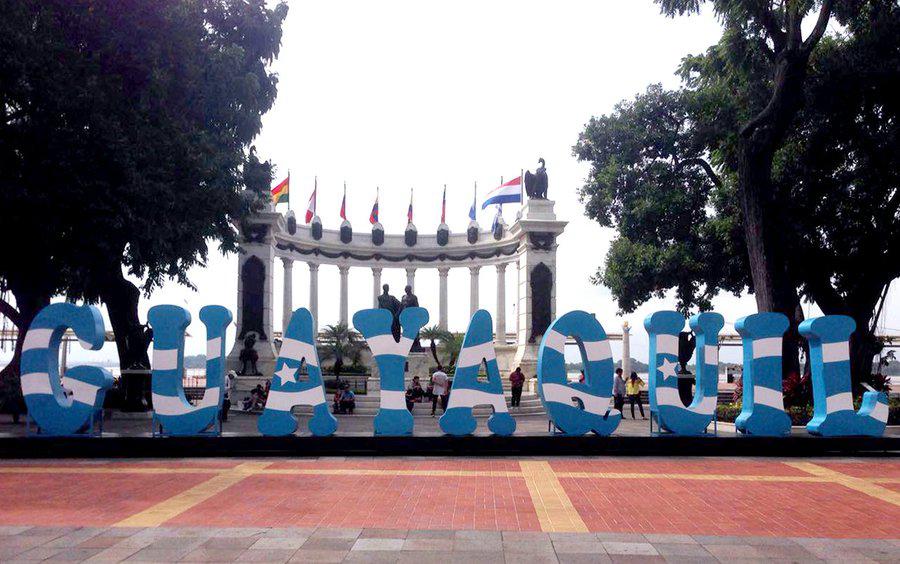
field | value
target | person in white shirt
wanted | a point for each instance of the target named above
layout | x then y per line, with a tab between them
439	389
226	403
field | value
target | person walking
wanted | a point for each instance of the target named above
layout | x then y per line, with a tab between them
619	391
226	403
633	389
516	382
439	389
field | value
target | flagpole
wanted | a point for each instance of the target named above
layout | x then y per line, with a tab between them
521	186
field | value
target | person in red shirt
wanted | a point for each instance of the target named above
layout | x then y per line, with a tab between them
517	380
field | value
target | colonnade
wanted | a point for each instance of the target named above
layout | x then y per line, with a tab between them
443	274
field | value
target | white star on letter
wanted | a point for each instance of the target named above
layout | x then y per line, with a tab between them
667	368
287	374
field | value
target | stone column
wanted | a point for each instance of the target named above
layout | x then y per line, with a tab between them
626	350
345	312
376	285
443	272
288	304
473	289
314	295
501	304
411	278
518	299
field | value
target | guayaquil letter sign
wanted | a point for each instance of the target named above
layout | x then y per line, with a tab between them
574	407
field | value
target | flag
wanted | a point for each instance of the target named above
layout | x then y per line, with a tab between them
497	218
373	217
474	199
344	203
409	211
505	193
444	206
281	193
311	206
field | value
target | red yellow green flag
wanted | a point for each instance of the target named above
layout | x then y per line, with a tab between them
281	193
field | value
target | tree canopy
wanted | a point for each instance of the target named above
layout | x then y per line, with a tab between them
669	169
125	132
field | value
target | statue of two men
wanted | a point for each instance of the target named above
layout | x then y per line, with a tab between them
395	306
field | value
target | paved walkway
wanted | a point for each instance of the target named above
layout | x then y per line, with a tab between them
485	510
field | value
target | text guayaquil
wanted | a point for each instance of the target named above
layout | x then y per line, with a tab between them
68	407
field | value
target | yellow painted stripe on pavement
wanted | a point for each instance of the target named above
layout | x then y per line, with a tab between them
554	509
178	504
859	484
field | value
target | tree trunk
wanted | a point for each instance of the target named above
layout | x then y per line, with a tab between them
121	298
132	338
29	303
433	348
774	288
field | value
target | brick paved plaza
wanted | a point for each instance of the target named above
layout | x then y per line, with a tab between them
422	510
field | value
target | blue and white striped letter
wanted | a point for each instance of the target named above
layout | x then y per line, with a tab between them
287	390
176	415
763	408
833	414
575	407
468	392
663	328
375	325
54	411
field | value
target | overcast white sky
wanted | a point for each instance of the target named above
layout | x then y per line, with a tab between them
405	94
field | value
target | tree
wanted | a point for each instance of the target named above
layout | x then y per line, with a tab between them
435	336
125	145
669	171
339	342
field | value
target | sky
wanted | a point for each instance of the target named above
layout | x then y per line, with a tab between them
411	94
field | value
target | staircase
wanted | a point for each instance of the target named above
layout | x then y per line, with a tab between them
368	406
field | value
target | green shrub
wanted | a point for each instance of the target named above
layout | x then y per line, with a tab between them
728	412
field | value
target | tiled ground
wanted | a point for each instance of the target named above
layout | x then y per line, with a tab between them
421	510
250	544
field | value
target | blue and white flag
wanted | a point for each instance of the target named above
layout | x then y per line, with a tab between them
497	218
474	201
506	193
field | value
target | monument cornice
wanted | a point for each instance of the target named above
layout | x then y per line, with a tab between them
426	253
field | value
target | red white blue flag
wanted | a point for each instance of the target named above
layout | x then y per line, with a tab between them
506	193
444	206
373	217
409	211
344	203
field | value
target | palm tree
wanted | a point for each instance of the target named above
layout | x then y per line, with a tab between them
340	342
452	346
436	335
